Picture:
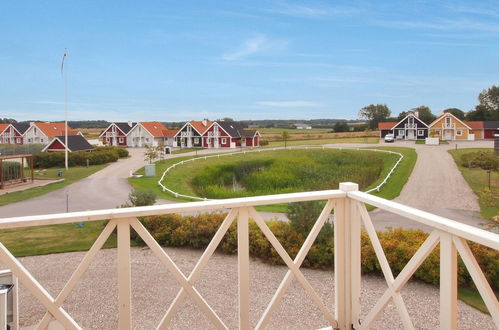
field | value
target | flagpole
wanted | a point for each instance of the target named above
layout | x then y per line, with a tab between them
65	111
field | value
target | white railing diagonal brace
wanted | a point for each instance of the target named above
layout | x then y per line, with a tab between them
80	270
177	274
36	289
294	265
385	266
196	272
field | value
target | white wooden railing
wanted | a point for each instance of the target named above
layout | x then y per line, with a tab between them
349	206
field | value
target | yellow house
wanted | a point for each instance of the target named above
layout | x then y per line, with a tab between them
449	127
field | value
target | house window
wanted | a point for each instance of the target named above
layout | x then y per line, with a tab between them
437	133
18	140
30	140
447	120
147	139
224	140
196	140
459	132
401	132
41	140
121	140
420	132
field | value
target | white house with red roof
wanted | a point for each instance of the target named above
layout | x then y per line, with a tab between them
44	132
151	133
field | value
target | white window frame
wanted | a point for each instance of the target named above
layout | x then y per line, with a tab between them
420	132
459	132
224	141
196	140
18	140
448	120
147	139
120	140
401	132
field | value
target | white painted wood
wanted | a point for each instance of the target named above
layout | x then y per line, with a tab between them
80	270
288	278
124	276
133	212
385	267
340	298
471	233
293	267
417	259
479	278
448	282
36	289
243	268
196	272
355	262
177	274
3	309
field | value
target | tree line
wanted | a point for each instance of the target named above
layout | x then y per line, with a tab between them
486	110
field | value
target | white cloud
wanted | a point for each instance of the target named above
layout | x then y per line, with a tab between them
254	45
288	104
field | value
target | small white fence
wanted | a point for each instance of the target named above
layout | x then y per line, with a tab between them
176	194
349	206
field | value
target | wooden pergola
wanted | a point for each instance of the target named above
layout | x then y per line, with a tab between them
28	159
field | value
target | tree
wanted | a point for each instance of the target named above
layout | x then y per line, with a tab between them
375	113
459	114
285	137
151	154
480	113
402	115
424	113
489	98
341	126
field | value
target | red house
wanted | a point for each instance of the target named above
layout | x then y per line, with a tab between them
10	135
116	133
75	143
230	134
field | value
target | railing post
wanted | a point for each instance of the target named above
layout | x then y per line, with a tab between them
124	275
448	282
243	268
347	260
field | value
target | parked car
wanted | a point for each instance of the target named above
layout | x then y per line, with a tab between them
389	138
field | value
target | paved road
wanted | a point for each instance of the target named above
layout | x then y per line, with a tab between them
107	188
437	186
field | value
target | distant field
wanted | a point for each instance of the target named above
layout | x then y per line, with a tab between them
294	134
293	131
91	133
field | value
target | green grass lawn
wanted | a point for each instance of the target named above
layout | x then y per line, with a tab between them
369	140
185	150
478	180
473	298
423	142
53	239
72	175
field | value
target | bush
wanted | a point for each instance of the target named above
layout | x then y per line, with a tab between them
11	170
399	245
264	142
78	158
142	197
485	160
122	152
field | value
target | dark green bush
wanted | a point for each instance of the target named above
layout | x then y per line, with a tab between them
79	158
122	152
486	160
11	170
399	245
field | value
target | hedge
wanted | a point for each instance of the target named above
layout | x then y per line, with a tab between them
11	170
101	155
399	246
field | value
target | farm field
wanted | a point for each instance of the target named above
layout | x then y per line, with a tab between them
275	134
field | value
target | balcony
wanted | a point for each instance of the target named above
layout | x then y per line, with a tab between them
448	126
410	126
350	214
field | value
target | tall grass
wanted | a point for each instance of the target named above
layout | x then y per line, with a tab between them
297	170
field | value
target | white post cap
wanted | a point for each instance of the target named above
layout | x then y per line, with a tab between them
349	186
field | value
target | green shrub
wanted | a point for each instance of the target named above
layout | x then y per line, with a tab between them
486	160
264	142
11	170
122	152
399	245
78	158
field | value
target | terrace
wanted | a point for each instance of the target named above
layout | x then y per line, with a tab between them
350	217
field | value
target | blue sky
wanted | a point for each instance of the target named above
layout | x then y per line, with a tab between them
181	60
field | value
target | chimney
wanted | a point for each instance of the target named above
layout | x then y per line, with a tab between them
130	123
205	122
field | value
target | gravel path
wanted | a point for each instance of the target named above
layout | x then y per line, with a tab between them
94	302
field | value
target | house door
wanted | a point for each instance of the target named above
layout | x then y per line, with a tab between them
448	134
410	134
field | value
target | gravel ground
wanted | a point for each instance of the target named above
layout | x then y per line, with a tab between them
93	303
